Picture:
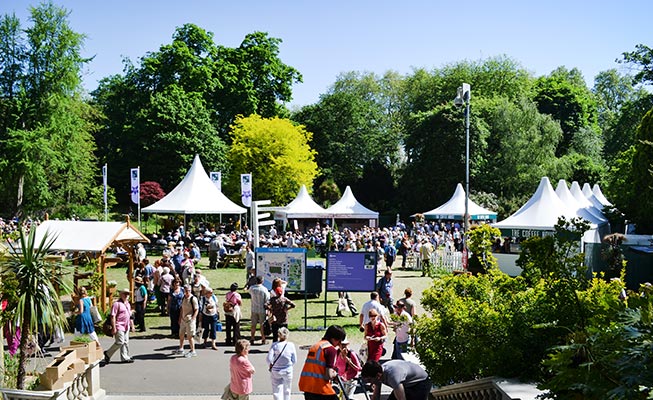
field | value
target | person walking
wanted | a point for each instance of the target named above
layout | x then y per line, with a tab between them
187	318
232	314
320	366
281	358
84	321
371	304
375	334
260	296
140	303
209	317
408	380
242	372
121	323
279	306
349	366
175	298
384	288
401	322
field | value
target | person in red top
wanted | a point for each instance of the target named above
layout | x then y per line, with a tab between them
242	371
375	334
320	366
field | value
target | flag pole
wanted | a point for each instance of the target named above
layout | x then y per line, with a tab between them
104	182
139	199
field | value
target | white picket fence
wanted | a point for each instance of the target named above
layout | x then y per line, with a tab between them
446	259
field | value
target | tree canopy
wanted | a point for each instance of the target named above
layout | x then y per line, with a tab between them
277	154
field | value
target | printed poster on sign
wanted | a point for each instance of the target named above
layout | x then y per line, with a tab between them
288	264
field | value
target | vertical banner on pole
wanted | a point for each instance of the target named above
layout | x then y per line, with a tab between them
104	183
216	178
246	189
136	190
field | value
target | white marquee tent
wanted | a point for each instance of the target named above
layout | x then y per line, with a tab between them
599	226
349	208
195	194
454	208
577	192
596	189
538	216
302	206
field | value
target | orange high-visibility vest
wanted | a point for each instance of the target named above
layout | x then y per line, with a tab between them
313	378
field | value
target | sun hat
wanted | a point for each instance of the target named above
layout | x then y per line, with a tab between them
138	279
125	291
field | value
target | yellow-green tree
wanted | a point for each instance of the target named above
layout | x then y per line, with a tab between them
277	154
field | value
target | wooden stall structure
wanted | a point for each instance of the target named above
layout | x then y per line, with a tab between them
95	239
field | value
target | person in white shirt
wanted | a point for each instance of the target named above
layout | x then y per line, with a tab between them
401	322
373	303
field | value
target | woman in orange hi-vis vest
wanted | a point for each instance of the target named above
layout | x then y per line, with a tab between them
319	368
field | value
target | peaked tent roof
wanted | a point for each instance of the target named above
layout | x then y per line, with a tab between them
88	235
541	211
195	194
589	194
349	207
567	198
303	206
577	192
455	208
596	189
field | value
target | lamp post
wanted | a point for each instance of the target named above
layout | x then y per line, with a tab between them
462	98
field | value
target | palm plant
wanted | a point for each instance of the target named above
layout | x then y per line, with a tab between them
37	302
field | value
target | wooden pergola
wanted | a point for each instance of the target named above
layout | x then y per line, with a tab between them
95	238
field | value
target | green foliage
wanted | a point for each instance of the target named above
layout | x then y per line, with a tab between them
277	154
180	101
37	302
480	241
10	372
642	175
564	96
643	58
45	137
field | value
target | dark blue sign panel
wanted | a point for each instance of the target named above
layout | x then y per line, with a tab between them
350	271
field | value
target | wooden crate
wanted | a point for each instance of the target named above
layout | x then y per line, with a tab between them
89	352
62	369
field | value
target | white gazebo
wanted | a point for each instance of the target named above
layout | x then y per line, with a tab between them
301	209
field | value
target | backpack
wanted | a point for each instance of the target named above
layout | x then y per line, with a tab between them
175	302
228	306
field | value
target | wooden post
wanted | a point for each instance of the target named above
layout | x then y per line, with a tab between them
102	269
130	274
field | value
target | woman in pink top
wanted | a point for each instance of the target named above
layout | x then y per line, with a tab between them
348	366
241	371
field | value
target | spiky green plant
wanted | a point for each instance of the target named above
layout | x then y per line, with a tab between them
37	301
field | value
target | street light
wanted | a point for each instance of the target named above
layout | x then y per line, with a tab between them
462	98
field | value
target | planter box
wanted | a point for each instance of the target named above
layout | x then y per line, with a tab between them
89	352
63	369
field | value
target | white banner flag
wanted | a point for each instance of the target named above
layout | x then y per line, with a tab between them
246	189
216	178
136	185
104	182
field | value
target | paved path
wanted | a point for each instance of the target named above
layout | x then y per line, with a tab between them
157	372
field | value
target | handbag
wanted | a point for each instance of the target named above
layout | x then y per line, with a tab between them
267	327
107	326
95	314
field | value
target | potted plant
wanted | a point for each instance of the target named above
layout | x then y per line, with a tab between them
111	288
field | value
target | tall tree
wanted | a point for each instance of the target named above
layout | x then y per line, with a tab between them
276	152
41	85
642	175
642	59
181	100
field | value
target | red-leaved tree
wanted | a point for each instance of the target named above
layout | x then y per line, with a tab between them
151	192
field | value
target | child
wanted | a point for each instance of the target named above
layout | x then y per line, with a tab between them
242	372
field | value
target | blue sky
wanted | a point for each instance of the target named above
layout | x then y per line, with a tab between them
324	38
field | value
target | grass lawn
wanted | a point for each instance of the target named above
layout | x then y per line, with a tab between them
221	279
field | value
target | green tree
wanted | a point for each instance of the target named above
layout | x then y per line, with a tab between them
41	87
277	154
37	301
565	96
642	176
181	100
642	57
